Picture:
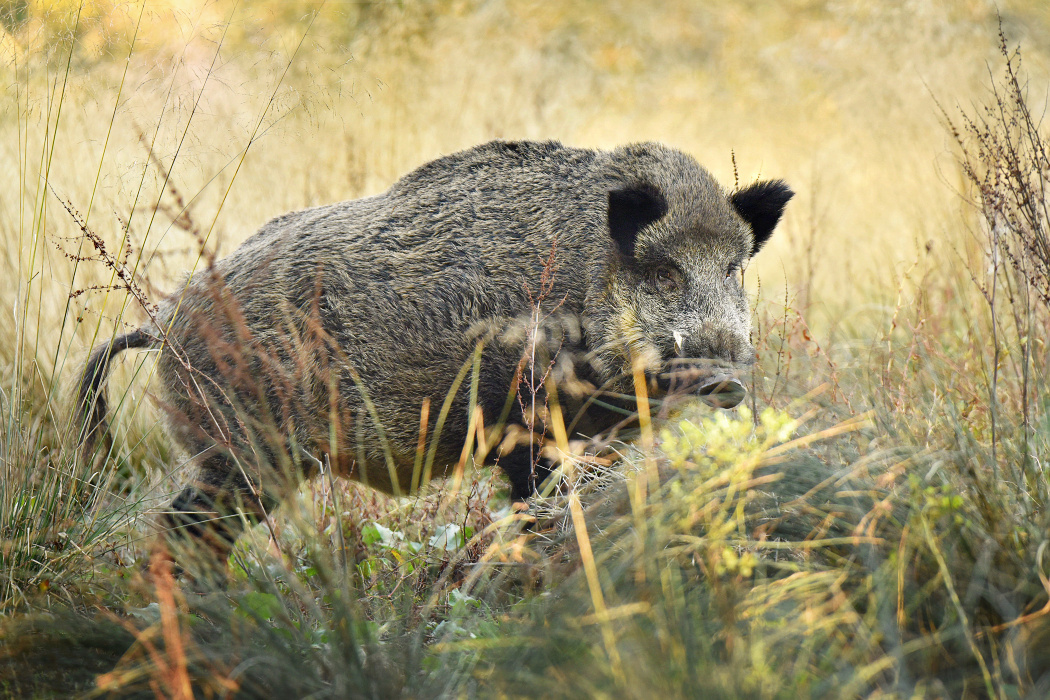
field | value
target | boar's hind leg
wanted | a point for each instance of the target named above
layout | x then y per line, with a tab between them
525	477
206	513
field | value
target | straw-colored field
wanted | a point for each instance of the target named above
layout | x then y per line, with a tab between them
912	526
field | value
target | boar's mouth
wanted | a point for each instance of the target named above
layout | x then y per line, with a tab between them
722	391
714	384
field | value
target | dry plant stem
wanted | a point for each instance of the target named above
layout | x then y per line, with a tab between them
497	548
850	425
783	367
338	515
617	613
121	270
126	275
91	200
176	678
475	424
567	467
170	674
649	480
815	224
993	388
1024	619
597	598
417	468
534	384
461	464
960	610
40	208
1006	162
446	406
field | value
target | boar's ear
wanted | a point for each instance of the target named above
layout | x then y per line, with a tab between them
630	210
761	205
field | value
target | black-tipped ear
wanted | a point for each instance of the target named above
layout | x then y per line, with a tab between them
630	210
761	205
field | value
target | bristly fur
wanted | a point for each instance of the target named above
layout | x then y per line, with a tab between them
327	330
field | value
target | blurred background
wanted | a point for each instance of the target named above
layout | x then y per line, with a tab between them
248	110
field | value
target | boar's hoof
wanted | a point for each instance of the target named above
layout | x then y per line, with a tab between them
721	391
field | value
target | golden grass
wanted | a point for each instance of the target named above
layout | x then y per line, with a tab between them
185	125
838	100
192	123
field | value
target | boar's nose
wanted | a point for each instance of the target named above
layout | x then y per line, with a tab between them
721	391
713	343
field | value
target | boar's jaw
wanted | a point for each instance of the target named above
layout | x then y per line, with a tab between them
715	383
722	391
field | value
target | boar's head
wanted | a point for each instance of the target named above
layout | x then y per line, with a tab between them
672	294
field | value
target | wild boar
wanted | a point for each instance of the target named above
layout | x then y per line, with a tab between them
361	334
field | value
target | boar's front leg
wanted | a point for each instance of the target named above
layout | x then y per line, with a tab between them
525	476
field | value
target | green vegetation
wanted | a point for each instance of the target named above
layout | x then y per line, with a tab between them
873	524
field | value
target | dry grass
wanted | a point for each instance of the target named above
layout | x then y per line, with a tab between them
838	100
898	537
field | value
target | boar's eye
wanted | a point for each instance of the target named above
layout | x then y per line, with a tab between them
666	279
732	270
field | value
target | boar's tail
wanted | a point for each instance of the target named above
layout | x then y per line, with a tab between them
91	401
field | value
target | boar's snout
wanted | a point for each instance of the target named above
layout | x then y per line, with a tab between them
715	383
708	365
722	391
